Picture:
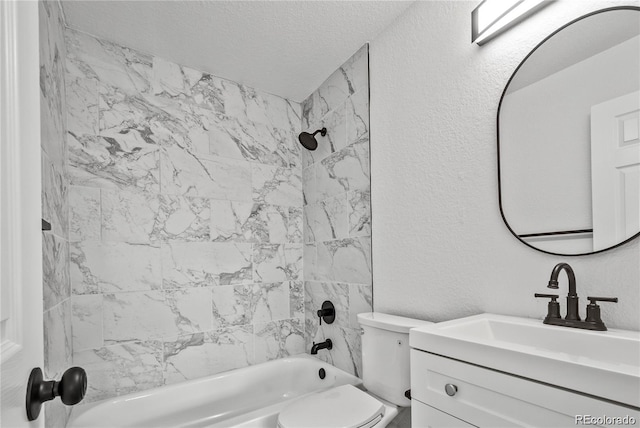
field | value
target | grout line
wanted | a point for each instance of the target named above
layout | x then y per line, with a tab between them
370	172
58	304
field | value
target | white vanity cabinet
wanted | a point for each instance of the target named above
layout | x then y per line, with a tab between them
427	416
478	396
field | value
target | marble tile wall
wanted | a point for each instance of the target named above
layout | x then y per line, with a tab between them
186	221
55	205
337	211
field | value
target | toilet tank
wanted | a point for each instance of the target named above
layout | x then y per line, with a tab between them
385	355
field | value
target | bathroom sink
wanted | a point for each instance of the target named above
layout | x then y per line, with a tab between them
604	364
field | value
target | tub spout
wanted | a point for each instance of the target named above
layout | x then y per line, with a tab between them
322	345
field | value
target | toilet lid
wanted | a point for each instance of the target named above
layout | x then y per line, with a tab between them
342	407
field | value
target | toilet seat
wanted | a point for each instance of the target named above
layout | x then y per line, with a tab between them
342	407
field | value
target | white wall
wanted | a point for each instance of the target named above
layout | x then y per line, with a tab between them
440	247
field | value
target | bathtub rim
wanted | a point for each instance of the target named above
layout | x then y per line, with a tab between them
83	409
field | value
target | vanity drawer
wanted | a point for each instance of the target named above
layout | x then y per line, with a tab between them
423	416
488	398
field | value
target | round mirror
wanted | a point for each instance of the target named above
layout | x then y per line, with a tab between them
569	137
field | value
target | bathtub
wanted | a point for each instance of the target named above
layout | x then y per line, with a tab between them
248	397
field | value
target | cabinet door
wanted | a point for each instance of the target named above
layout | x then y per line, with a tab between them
487	398
423	416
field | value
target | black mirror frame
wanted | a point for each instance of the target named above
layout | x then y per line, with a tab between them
609	9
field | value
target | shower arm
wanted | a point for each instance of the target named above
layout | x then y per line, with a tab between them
322	132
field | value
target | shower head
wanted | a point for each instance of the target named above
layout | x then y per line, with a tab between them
309	140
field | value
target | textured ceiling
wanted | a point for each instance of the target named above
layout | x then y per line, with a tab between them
287	48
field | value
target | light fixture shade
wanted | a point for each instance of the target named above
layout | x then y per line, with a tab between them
494	16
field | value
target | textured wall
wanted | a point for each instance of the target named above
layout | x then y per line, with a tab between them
440	248
337	216
186	220
55	205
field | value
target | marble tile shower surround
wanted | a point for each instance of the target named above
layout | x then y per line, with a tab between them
186	221
337	213
55	205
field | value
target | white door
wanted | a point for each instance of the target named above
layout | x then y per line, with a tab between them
21	343
615	170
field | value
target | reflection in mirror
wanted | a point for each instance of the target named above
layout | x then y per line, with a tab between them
569	137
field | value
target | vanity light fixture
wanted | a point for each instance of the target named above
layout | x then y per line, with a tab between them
494	16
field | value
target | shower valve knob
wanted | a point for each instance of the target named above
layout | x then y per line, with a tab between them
327	313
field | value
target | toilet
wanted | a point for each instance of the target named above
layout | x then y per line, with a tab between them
385	374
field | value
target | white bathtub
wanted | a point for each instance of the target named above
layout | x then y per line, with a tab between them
248	397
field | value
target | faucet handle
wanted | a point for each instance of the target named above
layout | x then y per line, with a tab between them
553	297
553	309
593	311
593	300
